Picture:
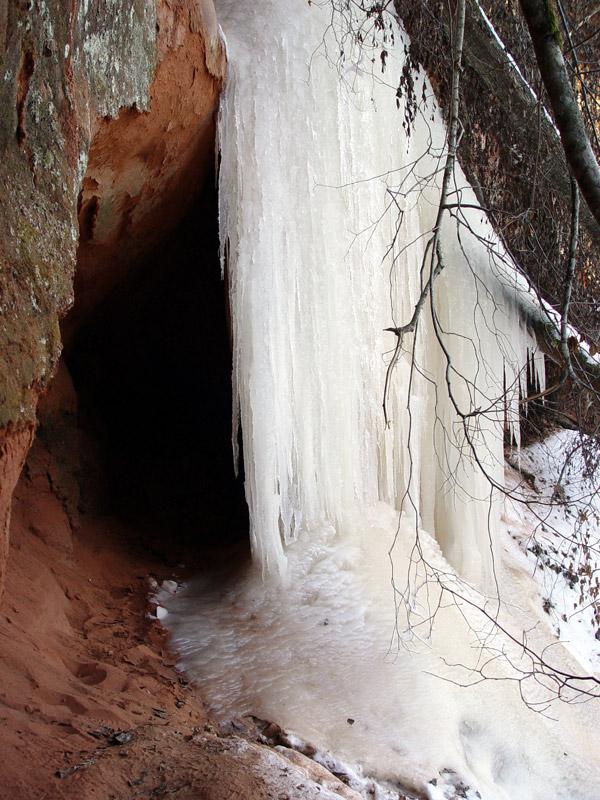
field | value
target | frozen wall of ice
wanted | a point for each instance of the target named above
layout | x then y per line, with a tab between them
326	208
316	174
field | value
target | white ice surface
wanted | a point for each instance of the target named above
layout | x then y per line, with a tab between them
315	169
317	653
316	175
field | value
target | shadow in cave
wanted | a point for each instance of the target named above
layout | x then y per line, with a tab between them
153	376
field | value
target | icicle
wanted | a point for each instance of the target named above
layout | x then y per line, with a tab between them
311	159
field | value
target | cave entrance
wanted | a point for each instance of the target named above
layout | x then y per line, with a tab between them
152	370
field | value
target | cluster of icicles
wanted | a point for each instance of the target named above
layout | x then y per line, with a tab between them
326	209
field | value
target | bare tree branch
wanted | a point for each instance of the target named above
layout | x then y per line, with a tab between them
484	53
433	245
589	18
569	277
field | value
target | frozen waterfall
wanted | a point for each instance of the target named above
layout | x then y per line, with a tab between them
316	175
338	631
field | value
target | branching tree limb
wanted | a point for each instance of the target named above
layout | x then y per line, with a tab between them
484	54
433	245
569	277
429	587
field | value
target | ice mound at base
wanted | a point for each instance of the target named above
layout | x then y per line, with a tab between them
321	652
326	207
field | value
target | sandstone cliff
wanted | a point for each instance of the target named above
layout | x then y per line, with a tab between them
106	134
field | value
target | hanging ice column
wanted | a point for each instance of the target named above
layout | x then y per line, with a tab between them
312	158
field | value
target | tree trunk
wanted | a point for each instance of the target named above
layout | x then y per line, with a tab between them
484	54
576	144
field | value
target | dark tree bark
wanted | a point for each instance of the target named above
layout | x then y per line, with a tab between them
543	29
485	56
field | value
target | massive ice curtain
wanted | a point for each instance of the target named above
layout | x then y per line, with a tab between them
339	632
316	175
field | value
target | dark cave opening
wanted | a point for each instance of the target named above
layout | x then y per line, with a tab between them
152	371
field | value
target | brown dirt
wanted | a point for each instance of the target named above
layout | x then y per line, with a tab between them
79	658
91	705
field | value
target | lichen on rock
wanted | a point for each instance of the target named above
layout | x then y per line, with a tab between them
66	70
116	47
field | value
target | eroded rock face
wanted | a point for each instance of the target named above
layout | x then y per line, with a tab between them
145	167
137	83
56	77
14	446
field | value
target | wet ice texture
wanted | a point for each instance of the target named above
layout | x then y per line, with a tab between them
316	172
318	653
312	158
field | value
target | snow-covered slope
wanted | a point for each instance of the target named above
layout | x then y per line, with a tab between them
559	530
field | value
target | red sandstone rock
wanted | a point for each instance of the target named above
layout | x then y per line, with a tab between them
13	451
145	167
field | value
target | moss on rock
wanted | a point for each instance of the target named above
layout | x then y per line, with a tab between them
62	66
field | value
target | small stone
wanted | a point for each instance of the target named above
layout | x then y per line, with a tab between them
121	737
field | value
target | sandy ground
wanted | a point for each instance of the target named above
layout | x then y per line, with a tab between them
91	705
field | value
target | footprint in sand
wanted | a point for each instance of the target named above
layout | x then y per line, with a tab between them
51	698
91	674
